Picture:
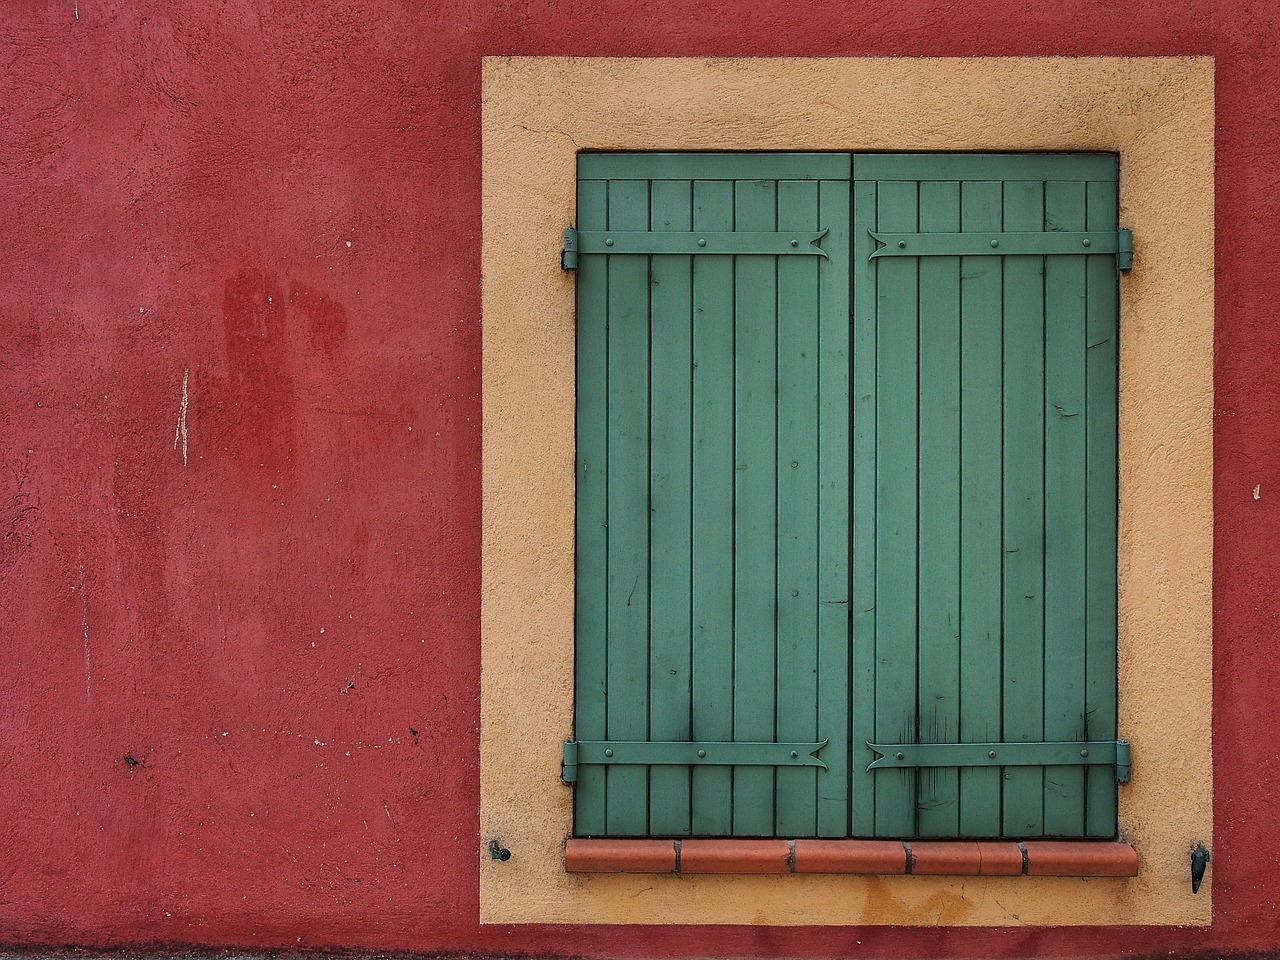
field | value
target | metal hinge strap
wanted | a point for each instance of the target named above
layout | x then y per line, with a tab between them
1046	243
685	753
907	755
722	243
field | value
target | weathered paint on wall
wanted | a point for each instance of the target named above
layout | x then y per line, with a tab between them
182	184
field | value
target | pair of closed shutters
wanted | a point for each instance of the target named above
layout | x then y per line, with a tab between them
846	476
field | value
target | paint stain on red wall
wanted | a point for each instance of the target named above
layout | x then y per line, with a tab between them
252	412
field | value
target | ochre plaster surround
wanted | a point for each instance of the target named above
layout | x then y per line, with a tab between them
1157	113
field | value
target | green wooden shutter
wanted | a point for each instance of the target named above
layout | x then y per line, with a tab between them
984	490
724	522
713	488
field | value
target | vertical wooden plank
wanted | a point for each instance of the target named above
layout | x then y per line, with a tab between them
798	552
627	790
938	798
591	554
833	510
980	509
755	507
1100	536
1023	540
1064	439
897	382
671	498
713	483
862	707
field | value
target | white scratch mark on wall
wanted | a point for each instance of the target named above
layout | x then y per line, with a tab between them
77	7
84	621
180	431
1257	492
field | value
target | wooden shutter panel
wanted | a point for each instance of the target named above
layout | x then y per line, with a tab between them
984	503
712	489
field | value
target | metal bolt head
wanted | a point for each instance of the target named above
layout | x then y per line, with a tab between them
608	753
900	756
794	755
902	244
702	753
995	243
795	243
608	241
1084	753
702	242
1085	241
991	754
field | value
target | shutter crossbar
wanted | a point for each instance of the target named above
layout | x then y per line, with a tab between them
894	756
702	242
977	244
688	753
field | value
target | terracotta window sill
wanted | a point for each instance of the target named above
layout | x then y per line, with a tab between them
1035	858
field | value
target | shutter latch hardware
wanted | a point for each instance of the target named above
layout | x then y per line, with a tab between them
684	753
1085	752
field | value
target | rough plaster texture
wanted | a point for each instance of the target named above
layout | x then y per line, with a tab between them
178	157
1158	115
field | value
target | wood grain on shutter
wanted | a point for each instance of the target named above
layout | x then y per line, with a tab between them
670	514
939	462
833	570
592	554
984	494
759	469
713	393
713	473
798	547
1101	386
1064	455
1023	583
895	503
863	514
627	637
981	376
755	507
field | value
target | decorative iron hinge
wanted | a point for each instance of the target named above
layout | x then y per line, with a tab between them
722	243
1118	242
1092	752
684	753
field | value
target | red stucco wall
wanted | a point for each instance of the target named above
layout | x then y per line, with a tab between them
238	692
